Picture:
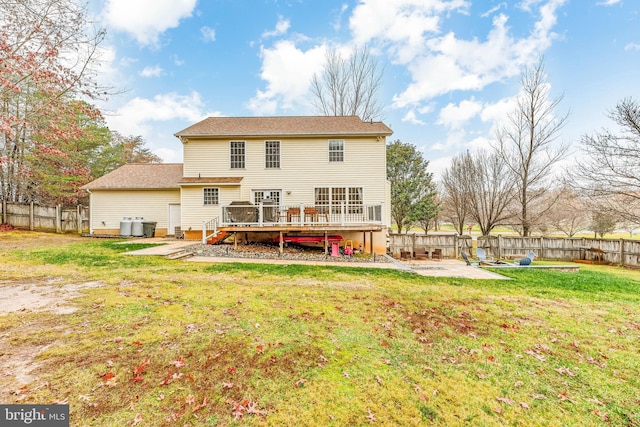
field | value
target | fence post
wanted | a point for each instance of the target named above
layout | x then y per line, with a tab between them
456	246
4	211
621	251
79	218
499	246
58	219
541	247
31	217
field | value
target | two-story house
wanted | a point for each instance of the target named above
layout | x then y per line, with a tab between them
260	179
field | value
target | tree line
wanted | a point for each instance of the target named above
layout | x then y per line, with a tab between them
53	139
517	180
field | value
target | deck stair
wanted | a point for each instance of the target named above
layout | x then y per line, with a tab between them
218	238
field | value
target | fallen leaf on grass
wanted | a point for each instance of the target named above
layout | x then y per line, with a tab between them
536	355
107	376
596	401
370	416
565	371
202	405
505	400
178	363
227	385
300	382
518	384
137	419
563	397
524	405
346	374
602	416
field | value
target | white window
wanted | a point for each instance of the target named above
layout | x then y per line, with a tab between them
237	154
332	199
211	196
272	195
272	154
336	150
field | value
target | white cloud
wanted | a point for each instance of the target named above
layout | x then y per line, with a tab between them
454	116
337	24
494	10
401	23
498	111
137	115
157	119
208	34
287	71
145	20
632	46
410	117
609	2
282	26
439	63
148	71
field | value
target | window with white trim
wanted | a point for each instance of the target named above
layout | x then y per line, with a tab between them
261	195
336	150
237	154
272	154
211	196
332	199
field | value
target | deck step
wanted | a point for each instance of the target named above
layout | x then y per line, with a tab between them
179	254
218	238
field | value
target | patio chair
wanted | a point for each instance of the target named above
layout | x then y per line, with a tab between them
526	260
465	257
481	254
421	253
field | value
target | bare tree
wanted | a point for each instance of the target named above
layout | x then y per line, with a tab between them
489	189
348	86
478	186
454	197
526	145
570	213
610	171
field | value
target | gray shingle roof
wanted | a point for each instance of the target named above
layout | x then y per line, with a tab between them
284	126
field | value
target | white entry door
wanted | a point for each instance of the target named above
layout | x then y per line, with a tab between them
174	218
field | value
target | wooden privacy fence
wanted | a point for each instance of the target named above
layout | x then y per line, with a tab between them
450	244
46	218
614	251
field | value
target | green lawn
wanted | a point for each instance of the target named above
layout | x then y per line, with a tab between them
178	343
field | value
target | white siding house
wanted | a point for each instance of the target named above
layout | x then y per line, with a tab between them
290	176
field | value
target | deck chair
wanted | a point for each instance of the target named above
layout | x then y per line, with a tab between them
465	257
526	260
482	255
421	253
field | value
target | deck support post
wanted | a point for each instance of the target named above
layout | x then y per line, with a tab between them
281	243
326	244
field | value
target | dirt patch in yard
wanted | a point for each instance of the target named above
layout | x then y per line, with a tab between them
17	354
48	296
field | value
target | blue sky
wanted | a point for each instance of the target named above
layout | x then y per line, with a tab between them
452	67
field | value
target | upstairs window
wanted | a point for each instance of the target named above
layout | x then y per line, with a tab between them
272	154
237	152
211	196
336	150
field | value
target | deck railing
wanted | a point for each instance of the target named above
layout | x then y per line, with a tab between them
264	214
209	229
